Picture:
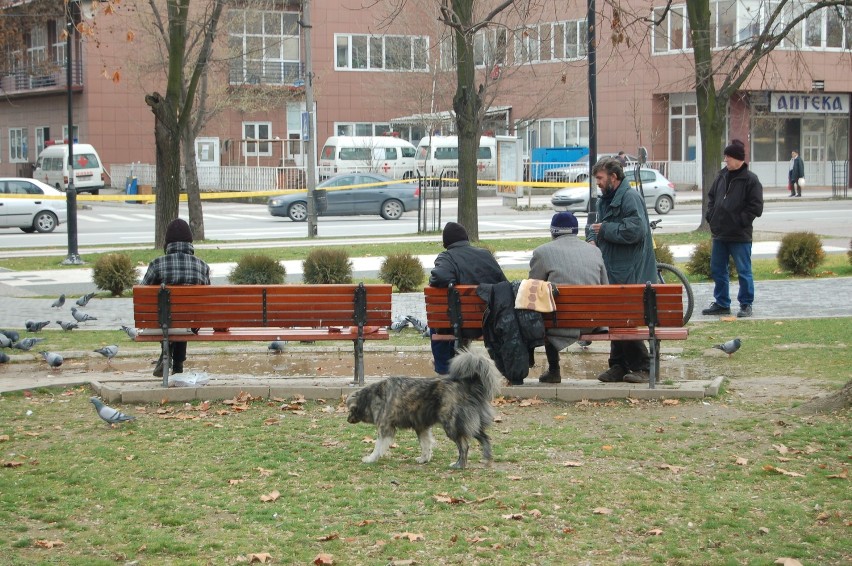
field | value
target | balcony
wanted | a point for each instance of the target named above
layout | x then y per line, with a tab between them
21	83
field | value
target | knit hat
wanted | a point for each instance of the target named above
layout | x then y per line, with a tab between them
736	150
563	223
454	232
178	231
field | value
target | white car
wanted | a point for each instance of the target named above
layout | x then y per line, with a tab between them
34	212
659	193
578	171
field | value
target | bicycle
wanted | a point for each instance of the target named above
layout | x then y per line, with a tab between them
667	273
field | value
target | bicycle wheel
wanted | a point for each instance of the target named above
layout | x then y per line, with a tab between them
671	274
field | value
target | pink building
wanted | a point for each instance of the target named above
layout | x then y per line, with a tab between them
374	74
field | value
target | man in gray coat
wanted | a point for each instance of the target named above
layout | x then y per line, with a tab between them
568	260
623	235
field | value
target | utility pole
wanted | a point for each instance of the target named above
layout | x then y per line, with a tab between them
591	53
311	167
70	191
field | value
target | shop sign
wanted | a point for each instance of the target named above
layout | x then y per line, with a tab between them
801	103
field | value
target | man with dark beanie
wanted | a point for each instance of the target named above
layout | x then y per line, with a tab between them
568	260
734	201
460	264
178	267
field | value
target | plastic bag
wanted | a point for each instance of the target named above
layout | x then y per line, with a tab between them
189	379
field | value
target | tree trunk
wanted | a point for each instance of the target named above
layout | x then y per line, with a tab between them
167	141
467	104
193	191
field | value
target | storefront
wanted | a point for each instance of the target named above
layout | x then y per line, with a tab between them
816	124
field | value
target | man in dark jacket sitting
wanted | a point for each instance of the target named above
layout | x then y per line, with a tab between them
460	264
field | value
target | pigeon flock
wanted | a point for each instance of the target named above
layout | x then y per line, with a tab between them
401	322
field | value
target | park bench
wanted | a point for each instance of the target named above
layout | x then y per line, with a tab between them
620	312
171	313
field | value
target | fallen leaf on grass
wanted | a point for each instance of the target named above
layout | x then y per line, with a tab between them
326	538
474	540
535	513
671	402
42	543
444	498
270	497
602	511
780	448
673	469
514	516
406	562
741	461
261	557
271	421
364	523
264	472
572	464
532	402
32	434
410	536
841	476
763	530
12	464
654	532
782	471
606	447
785	561
4	438
235	482
660	430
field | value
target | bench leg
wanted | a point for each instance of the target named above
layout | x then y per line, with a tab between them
654	373
359	362
167	361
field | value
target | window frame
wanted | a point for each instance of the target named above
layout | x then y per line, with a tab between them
348	54
262	148
18	145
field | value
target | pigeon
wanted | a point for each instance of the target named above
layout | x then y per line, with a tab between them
11	335
276	346
398	324
67	326
80	316
53	359
131	332
84	300
33	326
730	346
584	344
418	325
109	352
58	302
27	343
4	358
4	341
110	415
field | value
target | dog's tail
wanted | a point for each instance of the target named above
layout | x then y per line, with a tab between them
477	372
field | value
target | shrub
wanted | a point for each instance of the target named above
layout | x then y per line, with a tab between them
402	270
325	265
114	273
800	253
849	253
257	269
664	254
699	261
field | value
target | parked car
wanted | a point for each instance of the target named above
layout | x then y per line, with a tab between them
578	171
389	200
32	214
53	168
659	193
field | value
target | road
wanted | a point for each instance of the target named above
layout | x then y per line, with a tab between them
132	224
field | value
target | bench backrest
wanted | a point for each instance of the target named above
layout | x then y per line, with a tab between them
258	306
577	306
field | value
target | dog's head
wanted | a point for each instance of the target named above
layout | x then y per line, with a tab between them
358	404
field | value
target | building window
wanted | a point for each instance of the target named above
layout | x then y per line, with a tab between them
41	135
18	145
557	132
381	52
551	41
257	131
683	131
489	47
265	47
362	128
76	133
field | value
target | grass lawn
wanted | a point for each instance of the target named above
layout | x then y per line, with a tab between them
737	479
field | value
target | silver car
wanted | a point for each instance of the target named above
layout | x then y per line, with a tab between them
388	198
659	193
578	171
32	212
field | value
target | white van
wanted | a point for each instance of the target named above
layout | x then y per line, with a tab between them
53	168
440	154
390	156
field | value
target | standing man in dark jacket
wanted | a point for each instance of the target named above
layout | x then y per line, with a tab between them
797	171
178	267
734	201
623	235
460	264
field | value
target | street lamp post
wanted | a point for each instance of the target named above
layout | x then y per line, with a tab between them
591	53
71	191
310	169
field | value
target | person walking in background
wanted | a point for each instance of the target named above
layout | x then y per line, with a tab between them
460	264
568	260
623	235
797	174
178	267
734	201
622	158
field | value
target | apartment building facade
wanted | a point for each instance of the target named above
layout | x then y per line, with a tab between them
377	72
